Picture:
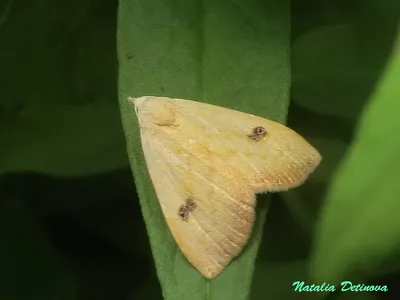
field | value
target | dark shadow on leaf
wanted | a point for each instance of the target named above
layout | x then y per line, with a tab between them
323	13
281	235
391	280
309	123
95	223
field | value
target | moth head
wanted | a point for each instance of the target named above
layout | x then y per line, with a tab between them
156	110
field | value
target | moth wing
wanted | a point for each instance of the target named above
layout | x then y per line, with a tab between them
280	160
221	222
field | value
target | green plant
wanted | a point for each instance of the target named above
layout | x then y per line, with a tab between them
326	68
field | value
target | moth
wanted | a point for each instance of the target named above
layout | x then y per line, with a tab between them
207	163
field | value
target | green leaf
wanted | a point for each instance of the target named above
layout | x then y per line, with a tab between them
58	109
230	53
359	230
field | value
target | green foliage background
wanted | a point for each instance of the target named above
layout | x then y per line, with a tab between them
71	222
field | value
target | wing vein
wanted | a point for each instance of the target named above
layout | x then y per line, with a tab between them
233	212
206	123
233	199
193	171
235	231
210	236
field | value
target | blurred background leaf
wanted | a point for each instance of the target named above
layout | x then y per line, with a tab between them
362	209
58	110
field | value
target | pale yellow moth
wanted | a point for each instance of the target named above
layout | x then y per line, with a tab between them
207	163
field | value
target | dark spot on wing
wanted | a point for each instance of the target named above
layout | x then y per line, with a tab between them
190	205
258	133
185	211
